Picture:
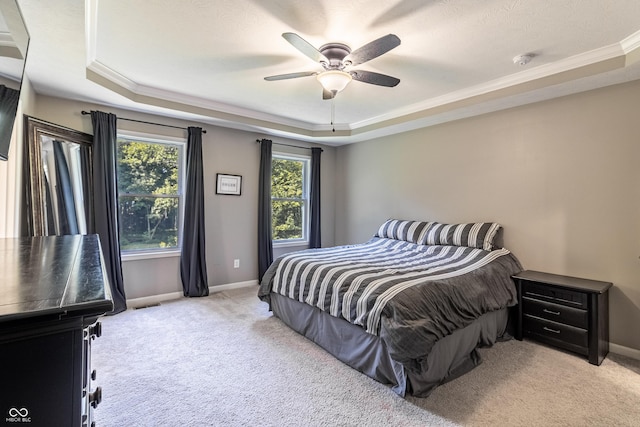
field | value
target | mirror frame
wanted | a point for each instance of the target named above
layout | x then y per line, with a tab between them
35	129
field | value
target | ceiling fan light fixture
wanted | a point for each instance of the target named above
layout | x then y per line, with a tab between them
334	80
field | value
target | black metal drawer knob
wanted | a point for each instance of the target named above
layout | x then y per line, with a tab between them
96	397
95	331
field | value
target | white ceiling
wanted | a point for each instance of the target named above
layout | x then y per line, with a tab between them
206	60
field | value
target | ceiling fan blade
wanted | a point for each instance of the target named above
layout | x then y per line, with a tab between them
372	50
305	47
291	75
374	78
327	94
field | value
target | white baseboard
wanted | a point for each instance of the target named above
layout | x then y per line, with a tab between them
624	351
236	285
157	299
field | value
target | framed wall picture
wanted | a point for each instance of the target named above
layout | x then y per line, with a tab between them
228	184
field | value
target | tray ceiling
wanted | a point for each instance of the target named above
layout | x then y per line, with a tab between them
206	61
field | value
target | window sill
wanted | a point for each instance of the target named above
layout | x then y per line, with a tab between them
290	244
135	256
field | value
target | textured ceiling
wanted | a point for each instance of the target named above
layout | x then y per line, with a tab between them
206	60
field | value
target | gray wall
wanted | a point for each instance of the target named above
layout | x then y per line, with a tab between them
561	176
231	221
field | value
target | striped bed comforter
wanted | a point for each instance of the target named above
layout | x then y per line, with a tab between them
410	295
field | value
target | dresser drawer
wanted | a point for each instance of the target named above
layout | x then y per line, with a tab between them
554	294
555	312
556	331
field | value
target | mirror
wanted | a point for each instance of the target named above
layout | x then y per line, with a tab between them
14	41
58	166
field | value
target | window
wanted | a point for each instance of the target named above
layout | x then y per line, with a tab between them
150	196
289	199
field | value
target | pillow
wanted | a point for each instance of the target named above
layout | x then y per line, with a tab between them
399	229
474	235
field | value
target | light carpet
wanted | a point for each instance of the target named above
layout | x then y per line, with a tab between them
224	360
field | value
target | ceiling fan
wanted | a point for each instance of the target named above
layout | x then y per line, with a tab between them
336	58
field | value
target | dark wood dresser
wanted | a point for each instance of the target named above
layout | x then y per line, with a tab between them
566	312
52	292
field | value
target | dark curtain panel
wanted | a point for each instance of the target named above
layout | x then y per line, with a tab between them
314	203
105	195
85	171
51	223
265	244
64	190
193	260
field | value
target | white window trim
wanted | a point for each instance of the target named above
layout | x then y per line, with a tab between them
305	196
144	254
132	255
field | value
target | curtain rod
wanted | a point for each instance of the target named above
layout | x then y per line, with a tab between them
84	113
289	145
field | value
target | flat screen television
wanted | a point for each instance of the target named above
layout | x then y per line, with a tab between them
14	42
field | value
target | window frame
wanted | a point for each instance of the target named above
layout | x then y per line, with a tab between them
147	253
306	188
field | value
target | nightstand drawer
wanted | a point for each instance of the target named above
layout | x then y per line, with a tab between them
556	312
554	294
555	331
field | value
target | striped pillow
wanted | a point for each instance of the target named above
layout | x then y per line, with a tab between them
409	231
475	235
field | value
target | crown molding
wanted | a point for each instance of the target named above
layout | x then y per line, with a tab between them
631	43
539	74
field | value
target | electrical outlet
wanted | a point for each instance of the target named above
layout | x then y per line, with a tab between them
236	263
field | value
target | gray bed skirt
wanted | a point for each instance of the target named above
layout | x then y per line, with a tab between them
451	356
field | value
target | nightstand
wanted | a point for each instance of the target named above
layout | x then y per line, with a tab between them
565	312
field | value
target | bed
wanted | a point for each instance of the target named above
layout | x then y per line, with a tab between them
408	308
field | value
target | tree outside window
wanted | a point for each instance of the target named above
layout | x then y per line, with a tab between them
149	194
289	198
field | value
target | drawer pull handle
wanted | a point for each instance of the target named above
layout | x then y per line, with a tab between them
555	331
557	313
535	294
553	298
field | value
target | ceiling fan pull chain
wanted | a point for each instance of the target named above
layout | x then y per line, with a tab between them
333	112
